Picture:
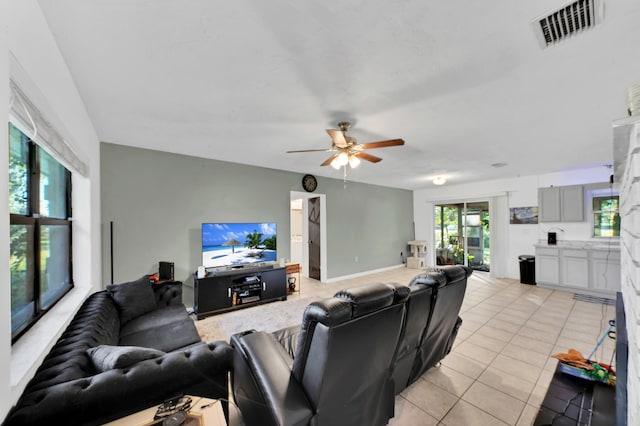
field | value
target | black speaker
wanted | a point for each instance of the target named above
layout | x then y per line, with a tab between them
552	238
165	271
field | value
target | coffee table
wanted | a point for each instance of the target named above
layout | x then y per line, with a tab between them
203	412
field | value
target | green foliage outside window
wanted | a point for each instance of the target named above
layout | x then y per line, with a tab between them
606	216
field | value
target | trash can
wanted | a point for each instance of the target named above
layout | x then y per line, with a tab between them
527	269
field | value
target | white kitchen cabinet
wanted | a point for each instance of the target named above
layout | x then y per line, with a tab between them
574	266
572	203
547	266
549	204
579	267
561	204
605	270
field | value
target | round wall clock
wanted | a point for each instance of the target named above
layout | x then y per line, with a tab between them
309	183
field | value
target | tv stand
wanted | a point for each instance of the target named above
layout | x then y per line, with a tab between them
224	291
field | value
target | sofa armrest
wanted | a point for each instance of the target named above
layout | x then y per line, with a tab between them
200	370
168	293
263	384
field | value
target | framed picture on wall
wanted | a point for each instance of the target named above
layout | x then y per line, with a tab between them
523	215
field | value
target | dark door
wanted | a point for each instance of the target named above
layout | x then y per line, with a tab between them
314	238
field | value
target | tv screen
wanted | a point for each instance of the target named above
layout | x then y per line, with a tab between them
238	244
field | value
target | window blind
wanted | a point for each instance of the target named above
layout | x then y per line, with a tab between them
29	119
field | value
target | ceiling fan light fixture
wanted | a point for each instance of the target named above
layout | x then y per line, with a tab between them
439	180
354	161
342	159
335	164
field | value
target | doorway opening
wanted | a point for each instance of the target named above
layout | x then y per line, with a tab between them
462	234
309	233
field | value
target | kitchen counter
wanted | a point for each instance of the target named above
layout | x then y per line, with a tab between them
613	245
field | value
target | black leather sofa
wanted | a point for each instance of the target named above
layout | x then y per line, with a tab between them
433	323
334	369
351	355
127	348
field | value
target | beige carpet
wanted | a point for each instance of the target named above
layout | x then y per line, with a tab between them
267	317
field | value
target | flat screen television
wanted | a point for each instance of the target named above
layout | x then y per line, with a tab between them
236	245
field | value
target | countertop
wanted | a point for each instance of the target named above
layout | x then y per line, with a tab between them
613	245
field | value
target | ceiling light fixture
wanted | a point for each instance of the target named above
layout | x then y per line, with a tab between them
439	180
343	159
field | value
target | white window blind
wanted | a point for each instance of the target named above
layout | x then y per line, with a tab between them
39	129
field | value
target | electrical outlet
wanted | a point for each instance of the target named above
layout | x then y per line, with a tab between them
356	259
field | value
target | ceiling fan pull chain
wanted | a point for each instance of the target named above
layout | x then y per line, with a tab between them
345	177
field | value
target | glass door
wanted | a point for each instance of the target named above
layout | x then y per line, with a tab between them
462	234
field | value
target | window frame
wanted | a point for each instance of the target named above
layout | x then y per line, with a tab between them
605	193
38	221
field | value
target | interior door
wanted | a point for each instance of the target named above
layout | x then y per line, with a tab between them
314	237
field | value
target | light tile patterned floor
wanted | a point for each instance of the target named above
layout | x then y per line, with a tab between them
500	367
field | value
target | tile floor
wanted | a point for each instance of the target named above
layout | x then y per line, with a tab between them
500	367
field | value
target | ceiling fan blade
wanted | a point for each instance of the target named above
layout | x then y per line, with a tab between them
338	138
329	160
309	150
368	157
381	144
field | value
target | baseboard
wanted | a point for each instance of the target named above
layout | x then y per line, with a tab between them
360	274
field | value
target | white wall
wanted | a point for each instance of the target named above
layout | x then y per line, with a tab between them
504	194
5	304
30	56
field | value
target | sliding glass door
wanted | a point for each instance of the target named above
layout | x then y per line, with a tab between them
462	234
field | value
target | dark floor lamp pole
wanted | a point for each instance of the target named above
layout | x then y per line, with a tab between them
111	247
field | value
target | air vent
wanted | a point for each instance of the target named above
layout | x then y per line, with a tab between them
570	19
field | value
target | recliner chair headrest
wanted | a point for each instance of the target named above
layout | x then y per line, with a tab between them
328	312
369	298
432	279
453	272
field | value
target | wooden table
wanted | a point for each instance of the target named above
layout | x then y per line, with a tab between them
203	412
293	268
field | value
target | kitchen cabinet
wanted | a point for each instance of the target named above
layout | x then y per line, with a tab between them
561	204
575	267
583	268
547	265
605	270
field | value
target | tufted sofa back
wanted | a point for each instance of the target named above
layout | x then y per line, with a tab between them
96	323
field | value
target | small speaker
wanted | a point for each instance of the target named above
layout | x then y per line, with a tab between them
165	271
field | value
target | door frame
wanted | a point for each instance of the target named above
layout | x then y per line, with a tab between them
490	200
294	195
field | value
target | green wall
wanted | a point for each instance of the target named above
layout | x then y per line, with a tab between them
157	202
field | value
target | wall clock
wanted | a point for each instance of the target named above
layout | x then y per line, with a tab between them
309	183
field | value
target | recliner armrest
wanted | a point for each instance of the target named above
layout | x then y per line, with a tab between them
263	384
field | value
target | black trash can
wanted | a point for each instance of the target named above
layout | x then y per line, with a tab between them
527	269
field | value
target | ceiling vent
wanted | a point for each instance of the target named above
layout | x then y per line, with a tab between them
570	19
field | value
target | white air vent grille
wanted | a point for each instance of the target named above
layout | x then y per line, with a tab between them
572	18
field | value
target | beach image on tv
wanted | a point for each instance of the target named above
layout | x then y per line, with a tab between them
236	244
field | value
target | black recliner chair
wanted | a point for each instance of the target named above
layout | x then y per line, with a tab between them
449	284
418	312
334	369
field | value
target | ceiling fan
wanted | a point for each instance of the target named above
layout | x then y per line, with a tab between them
346	150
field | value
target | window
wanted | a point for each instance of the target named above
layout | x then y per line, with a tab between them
606	218
40	231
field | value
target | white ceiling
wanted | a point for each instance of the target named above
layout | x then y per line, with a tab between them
465	83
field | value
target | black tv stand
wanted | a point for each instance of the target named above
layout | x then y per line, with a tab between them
223	291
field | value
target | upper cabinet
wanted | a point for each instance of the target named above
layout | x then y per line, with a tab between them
572	203
561	204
